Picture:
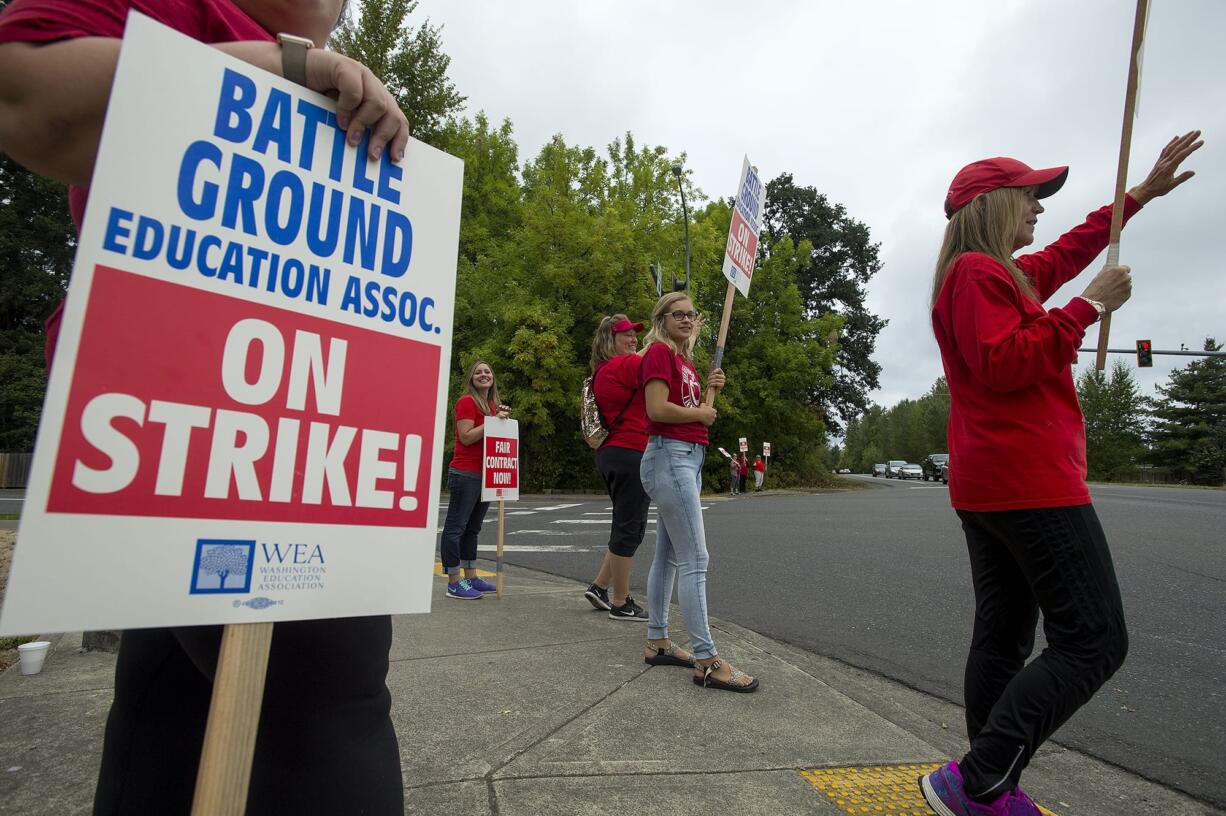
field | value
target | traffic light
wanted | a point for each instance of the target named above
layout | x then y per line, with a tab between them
1145	354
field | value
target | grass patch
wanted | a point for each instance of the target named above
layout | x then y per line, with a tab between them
10	516
7	643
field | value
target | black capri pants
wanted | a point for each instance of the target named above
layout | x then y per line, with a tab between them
326	744
620	469
1022	561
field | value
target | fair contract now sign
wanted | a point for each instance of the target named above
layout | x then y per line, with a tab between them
245	415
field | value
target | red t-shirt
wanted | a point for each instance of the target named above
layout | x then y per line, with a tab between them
45	21
1016	433
759	466
616	386
468	457
662	363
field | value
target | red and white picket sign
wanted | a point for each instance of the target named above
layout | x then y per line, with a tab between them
766	449
743	443
500	464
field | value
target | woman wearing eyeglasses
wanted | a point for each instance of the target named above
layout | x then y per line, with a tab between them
671	471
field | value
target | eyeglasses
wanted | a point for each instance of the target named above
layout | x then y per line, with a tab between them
679	316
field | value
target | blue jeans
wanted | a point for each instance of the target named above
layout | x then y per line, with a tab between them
465	512
672	476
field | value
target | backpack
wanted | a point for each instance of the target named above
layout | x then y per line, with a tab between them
591	423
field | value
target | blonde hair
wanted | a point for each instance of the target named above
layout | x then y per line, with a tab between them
603	348
485	402
658	333
988	224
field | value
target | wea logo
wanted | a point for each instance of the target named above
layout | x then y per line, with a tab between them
291	567
222	566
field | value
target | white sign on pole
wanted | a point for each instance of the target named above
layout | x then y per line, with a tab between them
766	449
744	444
725	453
741	251
245	417
500	462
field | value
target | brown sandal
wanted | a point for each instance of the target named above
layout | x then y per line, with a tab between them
666	656
733	684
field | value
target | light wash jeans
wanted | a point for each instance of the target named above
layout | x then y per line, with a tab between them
672	475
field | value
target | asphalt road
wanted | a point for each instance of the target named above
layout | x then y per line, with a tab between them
878	578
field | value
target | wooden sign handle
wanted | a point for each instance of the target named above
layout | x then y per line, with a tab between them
502	506
1121	171
725	319
234	718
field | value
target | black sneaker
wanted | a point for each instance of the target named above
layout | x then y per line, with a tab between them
629	611
598	597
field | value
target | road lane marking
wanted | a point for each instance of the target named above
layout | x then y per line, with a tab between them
559	507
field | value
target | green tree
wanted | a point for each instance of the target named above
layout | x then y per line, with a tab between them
37	242
1189	433
411	62
842	261
1115	414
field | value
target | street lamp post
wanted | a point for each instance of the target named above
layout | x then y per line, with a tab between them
685	212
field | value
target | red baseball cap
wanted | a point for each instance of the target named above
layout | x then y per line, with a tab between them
625	326
990	174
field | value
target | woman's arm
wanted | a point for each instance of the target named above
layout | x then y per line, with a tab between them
659	409
53	100
468	432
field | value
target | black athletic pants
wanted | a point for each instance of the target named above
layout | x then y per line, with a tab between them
1022	562
326	744
620	469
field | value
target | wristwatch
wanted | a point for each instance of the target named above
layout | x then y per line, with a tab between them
293	56
1098	307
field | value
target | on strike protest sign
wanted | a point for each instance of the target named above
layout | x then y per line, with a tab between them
741	251
500	464
766	449
743	444
244	420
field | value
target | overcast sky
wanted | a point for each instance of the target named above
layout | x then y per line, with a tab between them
877	105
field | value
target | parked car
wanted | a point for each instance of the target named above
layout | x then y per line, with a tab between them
945	471
910	471
892	466
879	470
932	465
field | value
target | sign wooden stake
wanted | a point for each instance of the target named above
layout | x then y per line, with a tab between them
1121	173
723	336
234	717
502	506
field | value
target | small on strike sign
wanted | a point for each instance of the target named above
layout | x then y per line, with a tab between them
500	464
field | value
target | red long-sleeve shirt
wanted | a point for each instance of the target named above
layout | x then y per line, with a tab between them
1016	432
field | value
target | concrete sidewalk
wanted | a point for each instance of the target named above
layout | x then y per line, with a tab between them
571	721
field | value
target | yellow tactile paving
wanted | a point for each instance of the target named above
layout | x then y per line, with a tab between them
886	790
438	571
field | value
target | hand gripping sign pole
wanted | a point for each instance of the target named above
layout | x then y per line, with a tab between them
740	253
500	474
1121	173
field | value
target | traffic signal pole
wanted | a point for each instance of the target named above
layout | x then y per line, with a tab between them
1133	352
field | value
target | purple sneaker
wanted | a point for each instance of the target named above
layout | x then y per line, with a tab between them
1022	805
463	590
481	585
943	792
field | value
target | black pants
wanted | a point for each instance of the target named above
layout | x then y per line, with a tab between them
620	469
1023	561
465	515
326	744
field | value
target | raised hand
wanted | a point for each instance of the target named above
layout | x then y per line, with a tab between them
1162	179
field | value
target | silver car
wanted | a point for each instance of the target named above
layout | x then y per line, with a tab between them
910	471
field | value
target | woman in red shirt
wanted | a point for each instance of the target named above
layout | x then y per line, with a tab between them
1017	434
677	423
465	510
327	744
615	381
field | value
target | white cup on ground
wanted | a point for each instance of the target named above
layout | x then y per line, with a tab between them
32	656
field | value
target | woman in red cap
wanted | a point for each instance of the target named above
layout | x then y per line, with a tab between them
615	382
1017	434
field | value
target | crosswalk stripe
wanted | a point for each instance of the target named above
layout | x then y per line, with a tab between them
559	507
